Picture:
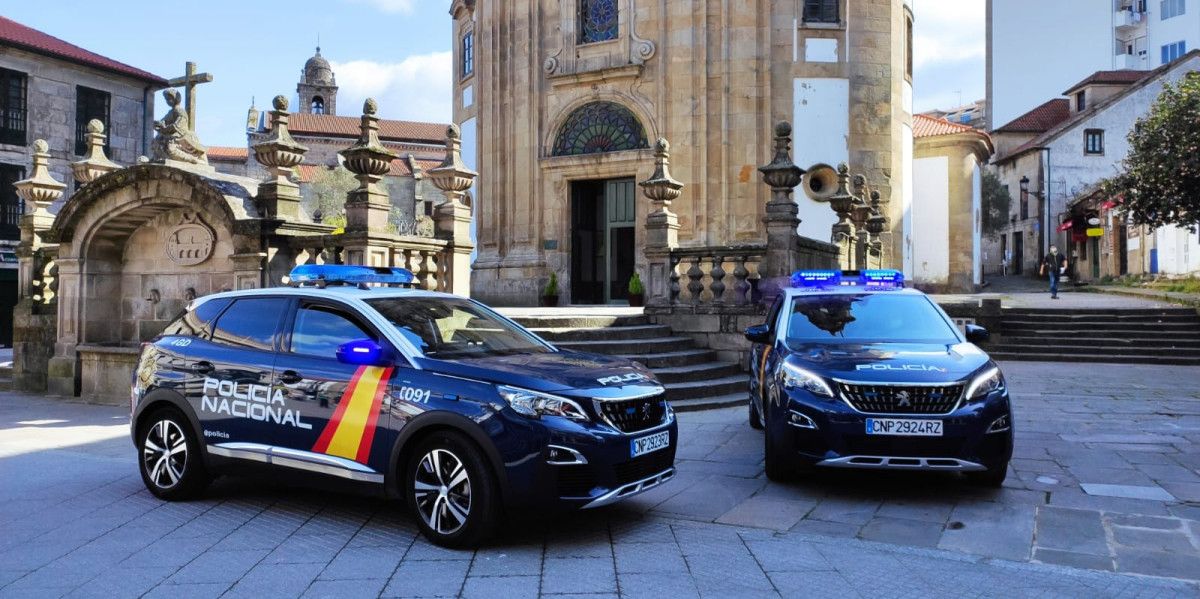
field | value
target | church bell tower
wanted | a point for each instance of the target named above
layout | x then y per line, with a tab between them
318	87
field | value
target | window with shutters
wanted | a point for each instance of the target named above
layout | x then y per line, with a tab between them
821	11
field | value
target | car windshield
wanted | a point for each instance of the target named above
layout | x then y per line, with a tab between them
867	317
451	328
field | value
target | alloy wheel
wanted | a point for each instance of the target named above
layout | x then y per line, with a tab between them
165	454
442	490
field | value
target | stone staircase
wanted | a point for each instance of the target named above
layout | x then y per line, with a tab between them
694	377
1143	335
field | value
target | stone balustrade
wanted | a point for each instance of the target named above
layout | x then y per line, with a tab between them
426	257
715	277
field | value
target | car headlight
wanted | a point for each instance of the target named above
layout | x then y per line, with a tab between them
796	377
534	404
986	382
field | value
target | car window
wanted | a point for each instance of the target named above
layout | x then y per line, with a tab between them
867	317
194	323
319	331
250	323
773	316
449	328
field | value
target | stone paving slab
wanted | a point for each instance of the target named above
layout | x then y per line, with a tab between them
76	521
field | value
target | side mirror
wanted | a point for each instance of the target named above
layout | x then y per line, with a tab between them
977	334
364	352
760	333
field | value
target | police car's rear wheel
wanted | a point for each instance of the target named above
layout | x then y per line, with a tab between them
452	491
169	457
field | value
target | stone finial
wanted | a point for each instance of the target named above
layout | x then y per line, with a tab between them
877	221
280	154
280	103
41	189
94	164
368	159
782	175
661	188
452	176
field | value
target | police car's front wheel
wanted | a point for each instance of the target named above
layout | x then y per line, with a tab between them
452	491
169	457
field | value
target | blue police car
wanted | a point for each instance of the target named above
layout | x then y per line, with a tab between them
430	397
852	370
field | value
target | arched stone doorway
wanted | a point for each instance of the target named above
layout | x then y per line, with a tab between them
134	247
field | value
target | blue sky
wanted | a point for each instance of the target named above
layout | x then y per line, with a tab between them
397	51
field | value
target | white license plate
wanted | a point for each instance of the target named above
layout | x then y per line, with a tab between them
904	427
645	445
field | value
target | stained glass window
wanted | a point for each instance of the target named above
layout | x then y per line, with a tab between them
599	127
597	20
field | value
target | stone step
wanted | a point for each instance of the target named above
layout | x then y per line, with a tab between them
565	334
1008	325
674	358
1117	312
1163	318
1098	348
580	321
633	347
696	372
1142	333
710	403
1098	358
708	388
1153	341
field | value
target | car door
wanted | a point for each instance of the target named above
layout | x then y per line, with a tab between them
234	368
344	404
760	353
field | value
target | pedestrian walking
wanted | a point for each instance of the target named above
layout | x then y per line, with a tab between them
1054	264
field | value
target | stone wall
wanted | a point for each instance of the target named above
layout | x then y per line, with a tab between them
34	334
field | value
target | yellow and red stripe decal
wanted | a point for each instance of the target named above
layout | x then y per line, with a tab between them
352	428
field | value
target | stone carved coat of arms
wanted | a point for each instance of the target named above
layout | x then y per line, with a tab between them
189	242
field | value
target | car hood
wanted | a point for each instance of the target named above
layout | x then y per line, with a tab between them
890	362
562	372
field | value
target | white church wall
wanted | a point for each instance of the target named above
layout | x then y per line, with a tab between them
821	130
930	248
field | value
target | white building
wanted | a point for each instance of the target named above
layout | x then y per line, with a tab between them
1035	47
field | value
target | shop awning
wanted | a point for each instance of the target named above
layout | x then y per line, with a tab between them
1109	205
1066	226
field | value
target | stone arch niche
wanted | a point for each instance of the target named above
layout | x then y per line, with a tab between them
134	247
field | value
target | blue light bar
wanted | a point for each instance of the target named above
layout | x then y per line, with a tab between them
881	278
347	274
816	278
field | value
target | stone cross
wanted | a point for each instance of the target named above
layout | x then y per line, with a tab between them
189	81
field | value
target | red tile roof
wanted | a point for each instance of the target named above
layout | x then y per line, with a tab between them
347	126
228	153
927	126
399	168
15	34
1040	119
1108	78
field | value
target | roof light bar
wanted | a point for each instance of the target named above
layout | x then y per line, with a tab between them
347	274
871	279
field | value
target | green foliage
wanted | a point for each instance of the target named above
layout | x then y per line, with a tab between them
1160	179
327	193
996	203
551	287
635	285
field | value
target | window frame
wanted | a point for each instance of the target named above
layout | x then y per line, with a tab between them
1080	100
347	312
1088	136
11	230
13	135
825	12
467	52
276	338
581	7
1169	9
84	114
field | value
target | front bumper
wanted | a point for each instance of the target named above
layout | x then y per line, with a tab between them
829	433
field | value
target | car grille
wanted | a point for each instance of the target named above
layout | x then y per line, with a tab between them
575	480
901	399
632	415
645	466
922	447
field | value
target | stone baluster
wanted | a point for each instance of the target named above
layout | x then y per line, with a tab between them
94	164
741	286
278	196
662	227
452	219
781	217
695	277
717	273
673	279
429	268
755	278
39	192
368	206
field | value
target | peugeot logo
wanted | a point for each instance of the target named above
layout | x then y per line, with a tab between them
902	400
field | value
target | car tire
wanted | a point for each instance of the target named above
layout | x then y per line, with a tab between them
169	456
775	461
452	511
992	477
755	419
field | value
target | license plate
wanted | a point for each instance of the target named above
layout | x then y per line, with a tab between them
904	427
645	445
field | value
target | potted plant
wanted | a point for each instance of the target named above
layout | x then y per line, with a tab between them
637	293
550	293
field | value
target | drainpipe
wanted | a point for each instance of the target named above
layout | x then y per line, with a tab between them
1046	202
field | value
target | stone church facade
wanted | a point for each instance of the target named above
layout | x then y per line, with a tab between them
564	99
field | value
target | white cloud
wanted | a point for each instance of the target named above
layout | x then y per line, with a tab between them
416	88
948	31
389	6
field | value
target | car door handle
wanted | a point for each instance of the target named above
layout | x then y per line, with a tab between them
289	377
202	367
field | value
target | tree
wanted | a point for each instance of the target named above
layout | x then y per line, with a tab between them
1159	182
328	194
996	203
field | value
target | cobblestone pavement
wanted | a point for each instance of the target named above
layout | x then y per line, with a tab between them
1023	292
76	521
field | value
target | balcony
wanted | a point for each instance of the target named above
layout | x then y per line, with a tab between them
1128	20
1131	61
